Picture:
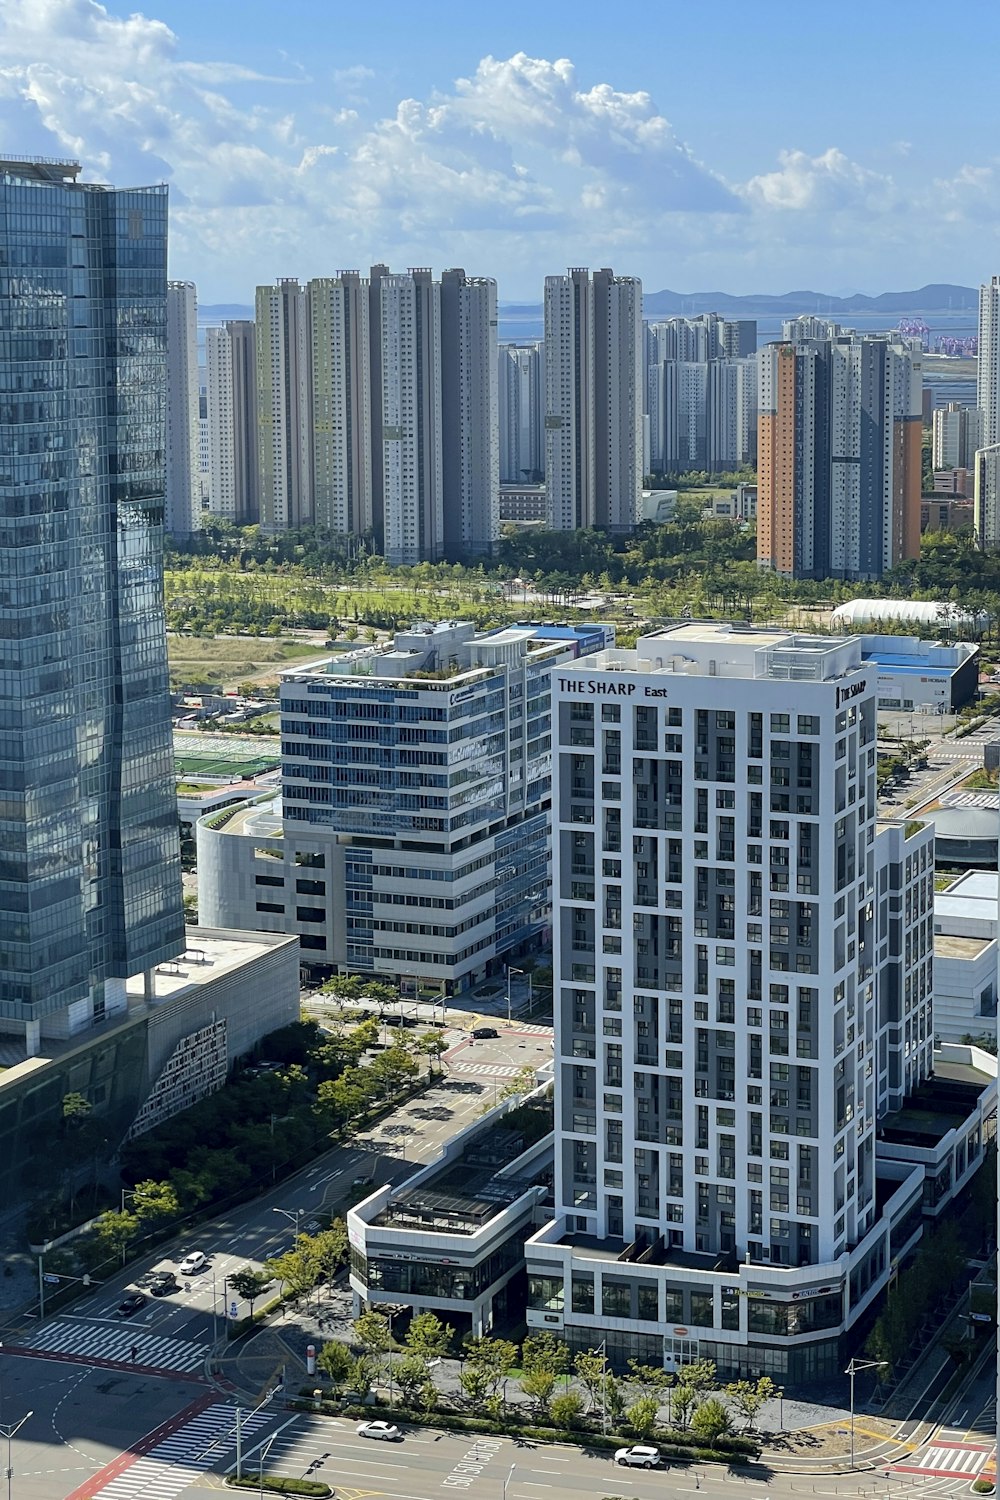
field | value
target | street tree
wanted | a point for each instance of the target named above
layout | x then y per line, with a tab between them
641	1416
371	1331
591	1369
336	1362
250	1284
711	1421
156	1202
566	1409
538	1385
544	1351
410	1374
428	1337
746	1397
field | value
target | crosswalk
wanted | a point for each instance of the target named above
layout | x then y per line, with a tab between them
946	1458
486	1070
176	1461
971	799
90	1341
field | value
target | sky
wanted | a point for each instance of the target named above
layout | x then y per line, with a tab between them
786	144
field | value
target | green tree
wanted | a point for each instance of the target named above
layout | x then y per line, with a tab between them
683	1401
538	1385
591	1369
156	1202
297	1269
410	1374
474	1384
371	1331
566	1409
614	1401
711	1421
115	1230
746	1397
641	1416
544	1351
336	1362
428	1337
698	1376
250	1284
432	1045
329	1246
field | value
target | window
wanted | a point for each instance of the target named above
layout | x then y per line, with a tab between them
271	906
310	914
311	887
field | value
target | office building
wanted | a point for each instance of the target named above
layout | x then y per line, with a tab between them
988	371
340	403
957	431
90	861
593	400
182	515
520	389
743	988
470	417
839	456
412	834
231	397
284	441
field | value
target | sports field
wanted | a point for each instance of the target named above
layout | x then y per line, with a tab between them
224	754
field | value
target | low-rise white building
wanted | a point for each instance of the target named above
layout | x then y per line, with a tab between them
965	958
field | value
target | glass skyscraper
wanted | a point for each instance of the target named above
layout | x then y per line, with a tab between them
90	888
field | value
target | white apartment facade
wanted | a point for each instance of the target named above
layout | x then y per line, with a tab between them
340	402
470	415
957	431
520	383
988	373
412	480
743	972
231	398
284	447
183	491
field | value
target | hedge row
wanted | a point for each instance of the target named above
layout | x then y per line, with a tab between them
279	1485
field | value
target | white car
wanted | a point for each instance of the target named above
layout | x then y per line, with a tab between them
387	1431
638	1456
193	1263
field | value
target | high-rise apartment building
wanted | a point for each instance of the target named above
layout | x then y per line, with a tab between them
957	431
839	453
988	374
412	836
412	499
593	400
699	339
809	326
284	443
231	393
183	496
521	383
340	402
89	854
470	418
987	496
702	414
743	982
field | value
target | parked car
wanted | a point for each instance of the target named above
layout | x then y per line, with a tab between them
639	1456
485	1033
387	1432
133	1303
163	1283
193	1263
362	1182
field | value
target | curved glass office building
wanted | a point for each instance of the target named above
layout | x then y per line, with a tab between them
90	889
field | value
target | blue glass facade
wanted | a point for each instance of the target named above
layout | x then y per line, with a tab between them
90	885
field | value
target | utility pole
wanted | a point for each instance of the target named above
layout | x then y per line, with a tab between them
853	1368
10	1431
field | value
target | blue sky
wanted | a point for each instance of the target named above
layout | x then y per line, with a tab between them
739	147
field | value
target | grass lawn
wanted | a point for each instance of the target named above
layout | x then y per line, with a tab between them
230	660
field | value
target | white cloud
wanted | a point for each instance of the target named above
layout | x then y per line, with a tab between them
827	183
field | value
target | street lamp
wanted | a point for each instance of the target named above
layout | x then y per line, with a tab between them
852	1369
294	1214
510	970
10	1431
260	1465
508	1480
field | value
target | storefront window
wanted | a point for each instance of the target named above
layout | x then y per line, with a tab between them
648	1306
546	1293
702	1309
583	1294
616	1298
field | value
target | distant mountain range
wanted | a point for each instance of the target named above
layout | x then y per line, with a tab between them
939	297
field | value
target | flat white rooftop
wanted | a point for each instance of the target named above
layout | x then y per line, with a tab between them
715	649
210	952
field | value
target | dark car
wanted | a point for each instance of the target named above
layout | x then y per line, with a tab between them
485	1033
134	1303
163	1283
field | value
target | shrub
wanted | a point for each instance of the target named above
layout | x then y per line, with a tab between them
278	1485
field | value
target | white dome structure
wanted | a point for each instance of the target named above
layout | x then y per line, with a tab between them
857	613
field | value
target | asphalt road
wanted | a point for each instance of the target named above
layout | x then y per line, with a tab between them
81	1420
174	1334
428	1465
